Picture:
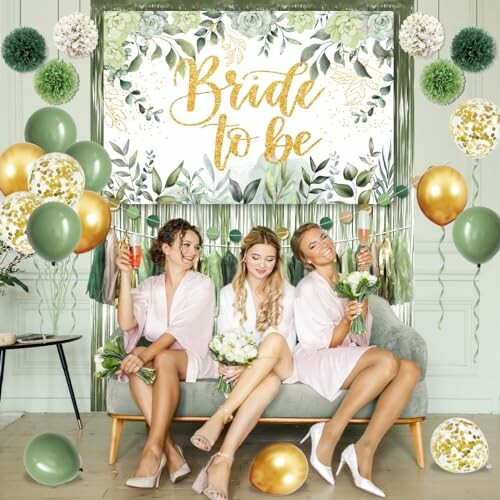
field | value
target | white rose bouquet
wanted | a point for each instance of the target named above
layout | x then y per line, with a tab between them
357	286
109	357
232	348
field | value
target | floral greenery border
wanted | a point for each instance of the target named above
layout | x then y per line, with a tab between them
397	216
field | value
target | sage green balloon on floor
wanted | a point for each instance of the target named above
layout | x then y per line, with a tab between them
95	162
51	128
52	459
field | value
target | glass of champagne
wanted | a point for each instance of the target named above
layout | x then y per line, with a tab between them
363	231
135	253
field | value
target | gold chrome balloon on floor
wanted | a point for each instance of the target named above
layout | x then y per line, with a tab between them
279	469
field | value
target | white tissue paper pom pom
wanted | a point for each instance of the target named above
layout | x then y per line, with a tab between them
421	35
76	35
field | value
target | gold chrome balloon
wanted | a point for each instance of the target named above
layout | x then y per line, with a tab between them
57	177
459	446
15	163
95	217
442	194
279	469
15	211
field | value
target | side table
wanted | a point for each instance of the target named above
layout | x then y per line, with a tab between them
58	341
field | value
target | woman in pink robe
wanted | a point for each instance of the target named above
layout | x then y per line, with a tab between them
175	312
329	359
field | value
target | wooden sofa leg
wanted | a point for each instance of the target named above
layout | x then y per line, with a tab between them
416	434
114	443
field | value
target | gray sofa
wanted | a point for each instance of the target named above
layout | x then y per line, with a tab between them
296	403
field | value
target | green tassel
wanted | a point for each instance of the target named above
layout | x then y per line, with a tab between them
94	284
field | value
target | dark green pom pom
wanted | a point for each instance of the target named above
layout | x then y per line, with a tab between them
24	49
473	49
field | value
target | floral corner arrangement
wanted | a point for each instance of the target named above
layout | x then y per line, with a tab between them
232	348
9	268
357	286
109	357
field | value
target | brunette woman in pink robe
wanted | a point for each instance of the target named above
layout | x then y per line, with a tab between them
330	360
175	312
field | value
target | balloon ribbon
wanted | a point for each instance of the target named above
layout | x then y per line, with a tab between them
440	281
475	182
476	315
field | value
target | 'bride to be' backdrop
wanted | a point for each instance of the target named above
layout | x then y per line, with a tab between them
275	107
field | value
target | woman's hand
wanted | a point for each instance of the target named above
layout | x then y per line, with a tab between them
131	363
352	309
231	373
364	259
123	260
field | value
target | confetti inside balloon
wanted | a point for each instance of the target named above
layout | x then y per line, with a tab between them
474	127
57	177
15	211
459	446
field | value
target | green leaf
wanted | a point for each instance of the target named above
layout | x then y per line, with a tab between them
157	53
292	41
135	64
350	172
388	77
320	179
125	85
235	190
308	52
322	35
214	14
171	58
364	197
306	176
126	146
343	190
324	63
313	71
209	166
164	200
119	163
385	90
337	58
117	148
201	32
156	182
133	160
250	191
171	30
379	51
186	46
147	196
322	165
172	178
220	29
200	43
360	69
381	103
364	178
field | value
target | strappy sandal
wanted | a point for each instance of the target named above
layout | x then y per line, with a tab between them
200	441
201	485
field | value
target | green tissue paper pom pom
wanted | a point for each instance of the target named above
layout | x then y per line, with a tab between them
56	82
473	49
24	49
442	82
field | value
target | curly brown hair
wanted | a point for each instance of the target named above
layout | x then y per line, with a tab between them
296	240
270	310
167	234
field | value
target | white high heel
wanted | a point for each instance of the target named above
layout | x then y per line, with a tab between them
182	471
148	481
323	470
349	457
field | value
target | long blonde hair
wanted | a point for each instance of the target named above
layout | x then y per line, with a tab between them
271	308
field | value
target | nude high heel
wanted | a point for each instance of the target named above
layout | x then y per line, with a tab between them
148	481
201	485
182	471
323	470
202	442
349	457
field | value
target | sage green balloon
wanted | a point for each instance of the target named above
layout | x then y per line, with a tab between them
52	459
54	230
51	128
476	234
95	162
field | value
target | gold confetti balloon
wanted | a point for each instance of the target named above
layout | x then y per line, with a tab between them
459	446
474	127
279	469
15	211
57	177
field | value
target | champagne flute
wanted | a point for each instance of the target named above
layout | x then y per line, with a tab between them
363	231
135	254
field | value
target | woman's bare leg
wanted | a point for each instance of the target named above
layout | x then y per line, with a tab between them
273	356
371	374
170	366
244	421
389	407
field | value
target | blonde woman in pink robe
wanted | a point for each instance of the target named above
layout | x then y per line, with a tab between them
330	360
175	312
261	302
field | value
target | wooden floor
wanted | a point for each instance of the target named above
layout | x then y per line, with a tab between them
395	469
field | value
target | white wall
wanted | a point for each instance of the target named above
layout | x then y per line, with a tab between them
33	381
